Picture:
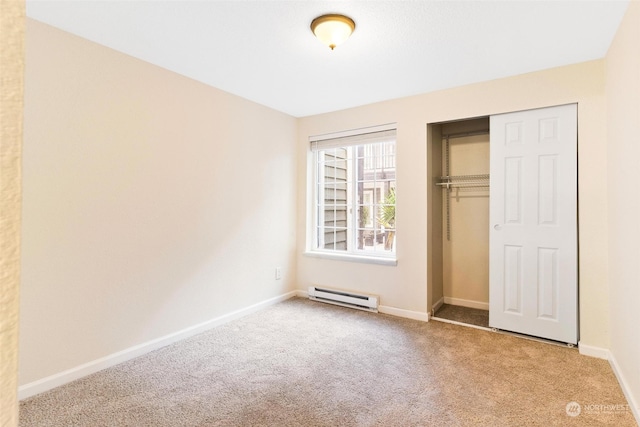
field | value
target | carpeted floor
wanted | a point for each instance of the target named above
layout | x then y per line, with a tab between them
303	363
471	316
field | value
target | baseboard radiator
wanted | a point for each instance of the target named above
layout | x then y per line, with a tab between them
344	298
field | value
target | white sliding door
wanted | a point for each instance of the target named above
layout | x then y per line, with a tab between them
533	218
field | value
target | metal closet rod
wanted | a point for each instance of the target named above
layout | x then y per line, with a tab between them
459	181
462	184
463	134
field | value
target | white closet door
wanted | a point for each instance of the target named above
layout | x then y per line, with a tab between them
533	217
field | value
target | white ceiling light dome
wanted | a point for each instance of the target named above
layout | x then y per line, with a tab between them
333	29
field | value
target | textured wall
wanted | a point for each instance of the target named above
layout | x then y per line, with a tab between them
623	123
11	90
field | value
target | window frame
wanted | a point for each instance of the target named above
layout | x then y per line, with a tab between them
353	138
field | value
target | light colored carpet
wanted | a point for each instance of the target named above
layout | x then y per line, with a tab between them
472	316
303	363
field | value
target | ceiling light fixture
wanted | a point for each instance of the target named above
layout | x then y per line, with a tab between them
332	29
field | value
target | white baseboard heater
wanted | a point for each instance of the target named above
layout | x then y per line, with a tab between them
344	298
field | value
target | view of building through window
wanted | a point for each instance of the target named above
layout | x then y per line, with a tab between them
356	198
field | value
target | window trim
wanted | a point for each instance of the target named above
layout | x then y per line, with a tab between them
365	259
353	137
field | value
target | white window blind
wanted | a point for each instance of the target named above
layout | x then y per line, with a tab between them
369	136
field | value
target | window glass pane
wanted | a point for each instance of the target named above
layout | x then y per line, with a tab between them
355	203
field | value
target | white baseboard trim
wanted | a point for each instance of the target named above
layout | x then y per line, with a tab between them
467	303
407	314
589	350
634	405
437	305
603	353
301	293
61	378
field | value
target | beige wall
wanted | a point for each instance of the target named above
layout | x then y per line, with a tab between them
623	142
405	285
466	253
11	97
152	203
435	203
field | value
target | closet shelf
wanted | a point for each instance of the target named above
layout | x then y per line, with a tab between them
463	181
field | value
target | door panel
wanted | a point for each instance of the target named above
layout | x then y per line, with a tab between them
513	279
513	190
533	214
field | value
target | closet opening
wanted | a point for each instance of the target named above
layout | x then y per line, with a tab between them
458	196
507	253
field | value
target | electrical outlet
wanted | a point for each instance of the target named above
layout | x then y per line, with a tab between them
278	273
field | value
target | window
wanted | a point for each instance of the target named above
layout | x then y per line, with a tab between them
355	194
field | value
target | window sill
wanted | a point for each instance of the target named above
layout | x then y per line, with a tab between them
353	258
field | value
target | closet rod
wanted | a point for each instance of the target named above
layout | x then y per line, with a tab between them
463	134
462	185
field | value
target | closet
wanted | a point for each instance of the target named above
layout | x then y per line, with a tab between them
463	185
502	222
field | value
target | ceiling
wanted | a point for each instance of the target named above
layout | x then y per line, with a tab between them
264	50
